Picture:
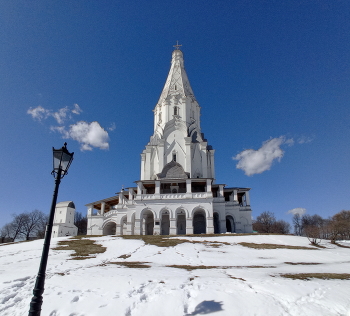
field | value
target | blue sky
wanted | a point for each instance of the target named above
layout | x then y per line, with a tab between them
261	70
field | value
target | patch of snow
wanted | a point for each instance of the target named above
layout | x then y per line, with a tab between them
95	287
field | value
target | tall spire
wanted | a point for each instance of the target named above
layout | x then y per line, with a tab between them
177	82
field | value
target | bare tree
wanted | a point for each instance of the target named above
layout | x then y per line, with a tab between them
312	232
339	226
32	222
297	224
264	222
281	227
81	222
15	227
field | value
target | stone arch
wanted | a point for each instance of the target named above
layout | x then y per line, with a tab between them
200	208
164	216
123	225
182	210
230	224
147	217
180	214
216	219
199	220
133	224
109	228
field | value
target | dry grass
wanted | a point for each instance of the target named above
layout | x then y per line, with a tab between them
83	248
124	256
159	241
340	245
232	277
201	267
132	264
323	276
273	246
167	241
303	263
190	268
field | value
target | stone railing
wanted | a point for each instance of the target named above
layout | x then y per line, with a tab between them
110	213
245	208
170	196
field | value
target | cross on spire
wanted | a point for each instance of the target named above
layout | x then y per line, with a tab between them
177	45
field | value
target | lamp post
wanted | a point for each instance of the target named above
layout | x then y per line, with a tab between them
62	160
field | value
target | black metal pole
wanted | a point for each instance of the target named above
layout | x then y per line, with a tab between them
37	299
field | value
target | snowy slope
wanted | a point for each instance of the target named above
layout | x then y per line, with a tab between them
230	287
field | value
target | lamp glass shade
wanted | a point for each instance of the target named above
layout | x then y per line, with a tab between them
62	159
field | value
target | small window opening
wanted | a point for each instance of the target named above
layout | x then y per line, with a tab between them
175	87
174	157
176	112
160	116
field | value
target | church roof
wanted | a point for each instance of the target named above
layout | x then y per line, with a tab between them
66	204
177	82
173	170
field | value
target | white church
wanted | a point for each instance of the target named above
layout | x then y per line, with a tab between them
177	193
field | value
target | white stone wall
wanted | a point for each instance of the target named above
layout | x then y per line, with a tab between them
63	224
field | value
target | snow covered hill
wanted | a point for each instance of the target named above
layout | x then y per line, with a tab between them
219	275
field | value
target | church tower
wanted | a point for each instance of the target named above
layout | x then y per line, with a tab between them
177	141
177	193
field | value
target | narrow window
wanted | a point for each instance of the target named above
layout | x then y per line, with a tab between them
175	87
175	110
160	116
174	157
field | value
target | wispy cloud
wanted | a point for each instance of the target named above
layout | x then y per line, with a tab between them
112	127
298	210
257	161
39	113
305	139
89	135
77	110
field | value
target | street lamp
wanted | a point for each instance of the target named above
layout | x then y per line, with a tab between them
62	160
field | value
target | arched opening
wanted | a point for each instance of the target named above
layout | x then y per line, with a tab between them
148	223
181	223
133	224
216	224
110	229
230	224
199	222
123	226
165	223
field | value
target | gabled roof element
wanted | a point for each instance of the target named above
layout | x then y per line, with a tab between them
177	82
173	170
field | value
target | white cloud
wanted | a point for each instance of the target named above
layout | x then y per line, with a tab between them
89	135
112	127
38	113
60	115
305	140
298	210
257	161
77	110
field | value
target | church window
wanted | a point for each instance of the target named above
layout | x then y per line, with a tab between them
174	157
175	87
176	110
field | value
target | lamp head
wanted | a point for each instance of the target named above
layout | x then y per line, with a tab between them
62	160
